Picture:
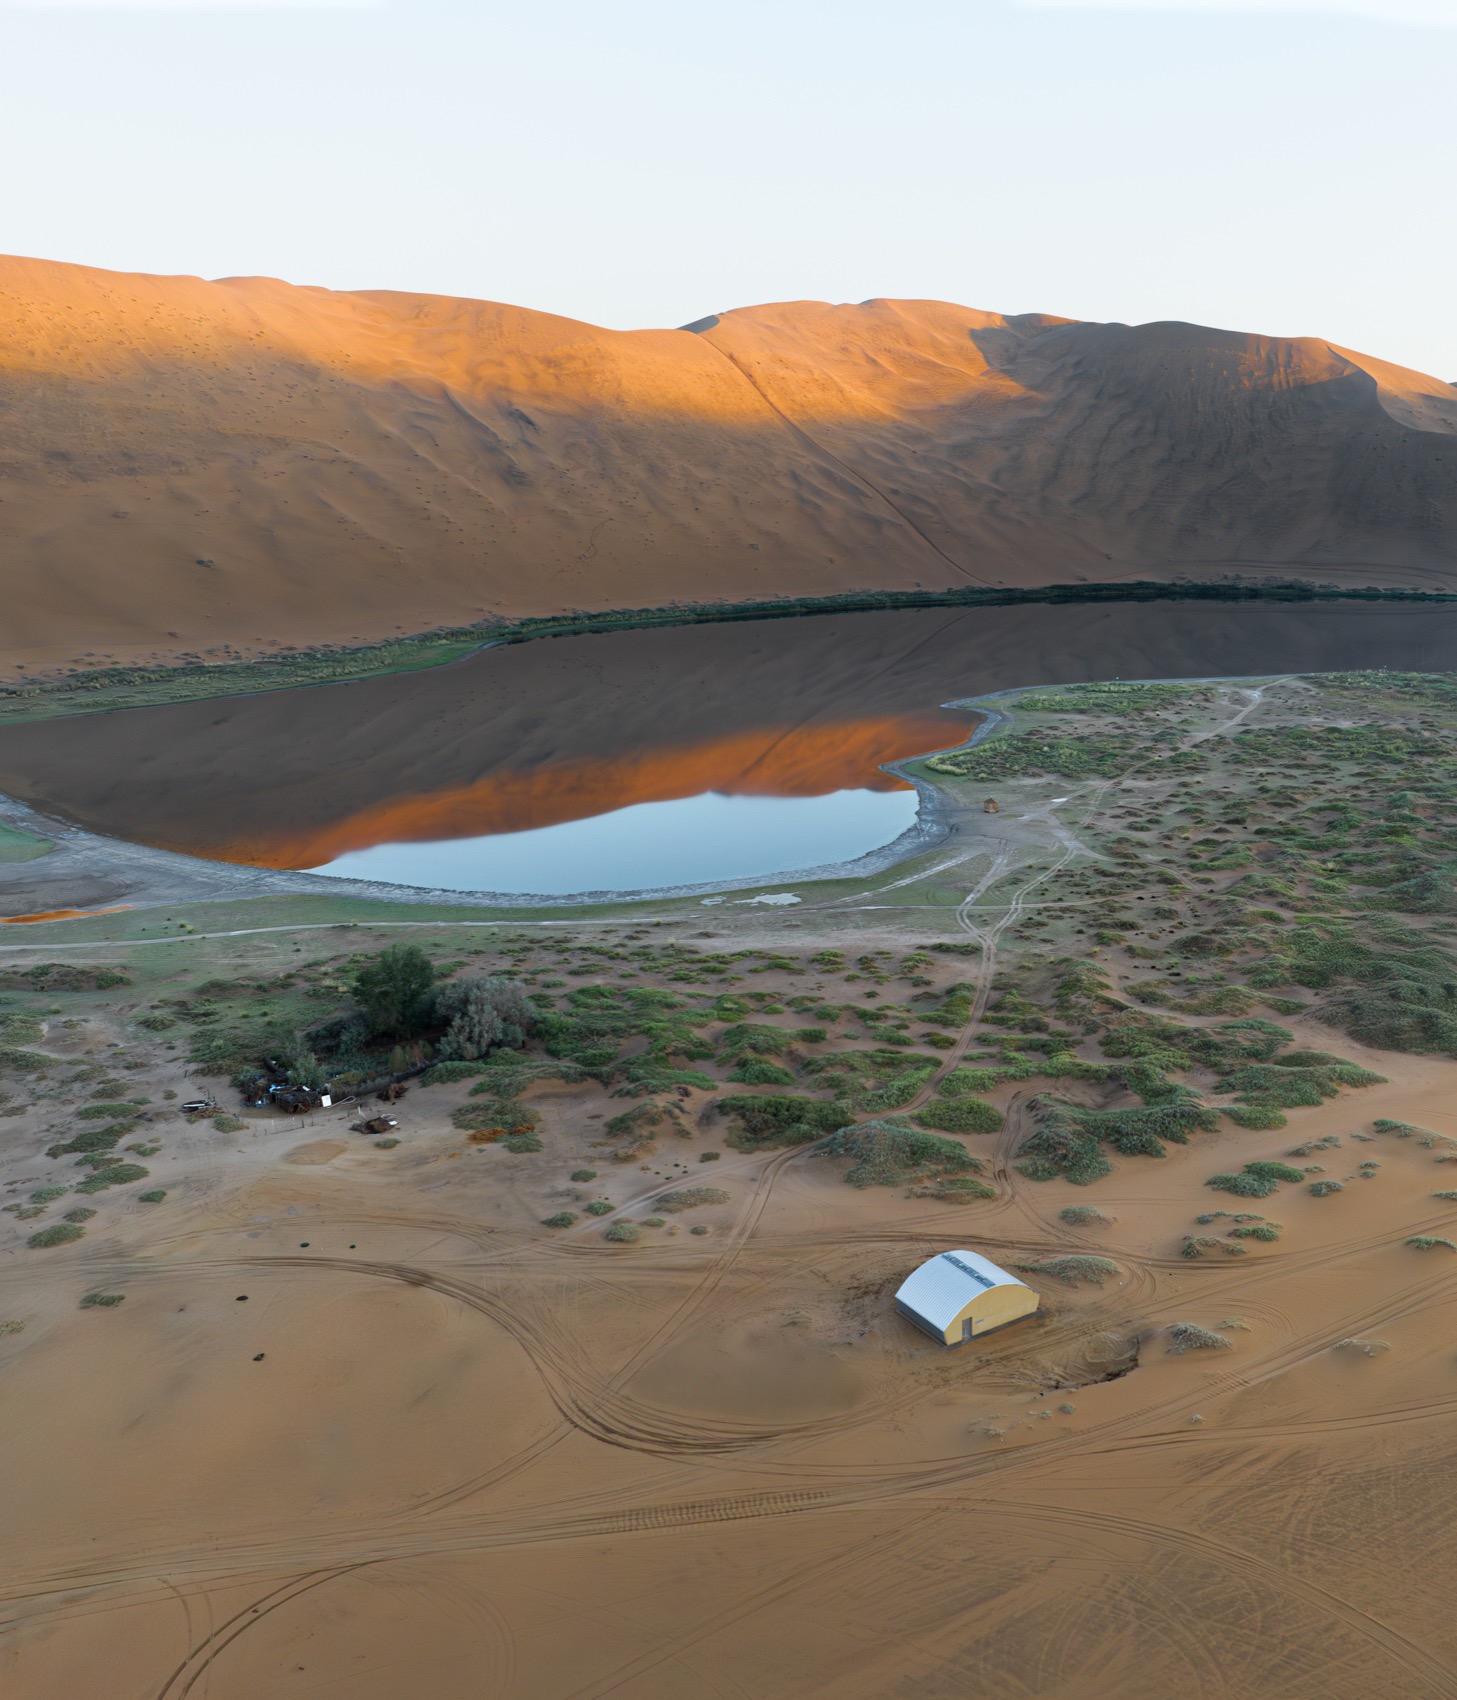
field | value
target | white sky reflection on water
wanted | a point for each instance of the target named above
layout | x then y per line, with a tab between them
688	841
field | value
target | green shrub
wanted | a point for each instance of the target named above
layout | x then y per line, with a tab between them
1058	1148
584	1174
229	1124
757	1038
562	1219
1074	1269
1242	1186
503	1116
962	1115
1259	1231
622	1233
891	1153
1259	1116
155	1196
1323	1189
81	1214
47	1194
59	1233
953	1189
690	1198
699	1228
752	1071
709	1156
121	1174
91	1139
443	1073
598	1207
521	1143
1428	1242
101	1301
107	1112
1081	1215
1190	1337
779	1120
24	1062
1274	1171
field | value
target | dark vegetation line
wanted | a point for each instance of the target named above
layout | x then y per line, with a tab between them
103	689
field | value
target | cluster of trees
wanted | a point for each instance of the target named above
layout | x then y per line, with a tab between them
402	1008
398	997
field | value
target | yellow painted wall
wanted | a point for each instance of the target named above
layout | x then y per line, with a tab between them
993	1308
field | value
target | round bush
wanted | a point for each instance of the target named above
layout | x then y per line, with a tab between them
599	1207
1255	1116
500	1116
59	1233
962	1115
699	1228
155	1196
562	1219
621	1233
584	1174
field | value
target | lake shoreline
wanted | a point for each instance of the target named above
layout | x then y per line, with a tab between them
107	690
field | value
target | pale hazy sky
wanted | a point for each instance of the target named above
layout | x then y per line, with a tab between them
1276	168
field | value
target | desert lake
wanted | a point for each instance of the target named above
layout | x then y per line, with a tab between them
638	759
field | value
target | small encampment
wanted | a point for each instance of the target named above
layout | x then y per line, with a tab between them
962	1295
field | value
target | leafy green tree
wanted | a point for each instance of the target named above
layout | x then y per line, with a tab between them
394	990
480	1014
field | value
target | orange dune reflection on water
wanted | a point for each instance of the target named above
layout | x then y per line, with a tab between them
788	762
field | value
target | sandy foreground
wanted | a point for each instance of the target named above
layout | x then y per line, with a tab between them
363	1426
471	1460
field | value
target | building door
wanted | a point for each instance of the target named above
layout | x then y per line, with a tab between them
966	1329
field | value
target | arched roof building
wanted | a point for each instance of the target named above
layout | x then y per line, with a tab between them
962	1295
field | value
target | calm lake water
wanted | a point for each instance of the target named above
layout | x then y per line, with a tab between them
690	841
638	759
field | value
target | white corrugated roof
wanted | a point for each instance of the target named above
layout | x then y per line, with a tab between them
938	1290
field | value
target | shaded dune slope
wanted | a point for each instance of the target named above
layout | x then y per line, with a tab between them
187	466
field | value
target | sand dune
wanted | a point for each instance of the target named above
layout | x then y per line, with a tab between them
187	465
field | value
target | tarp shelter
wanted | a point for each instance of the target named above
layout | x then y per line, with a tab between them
962	1295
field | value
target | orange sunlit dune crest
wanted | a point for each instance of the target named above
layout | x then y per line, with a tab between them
792	762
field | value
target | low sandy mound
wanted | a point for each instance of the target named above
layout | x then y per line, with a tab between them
190	465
